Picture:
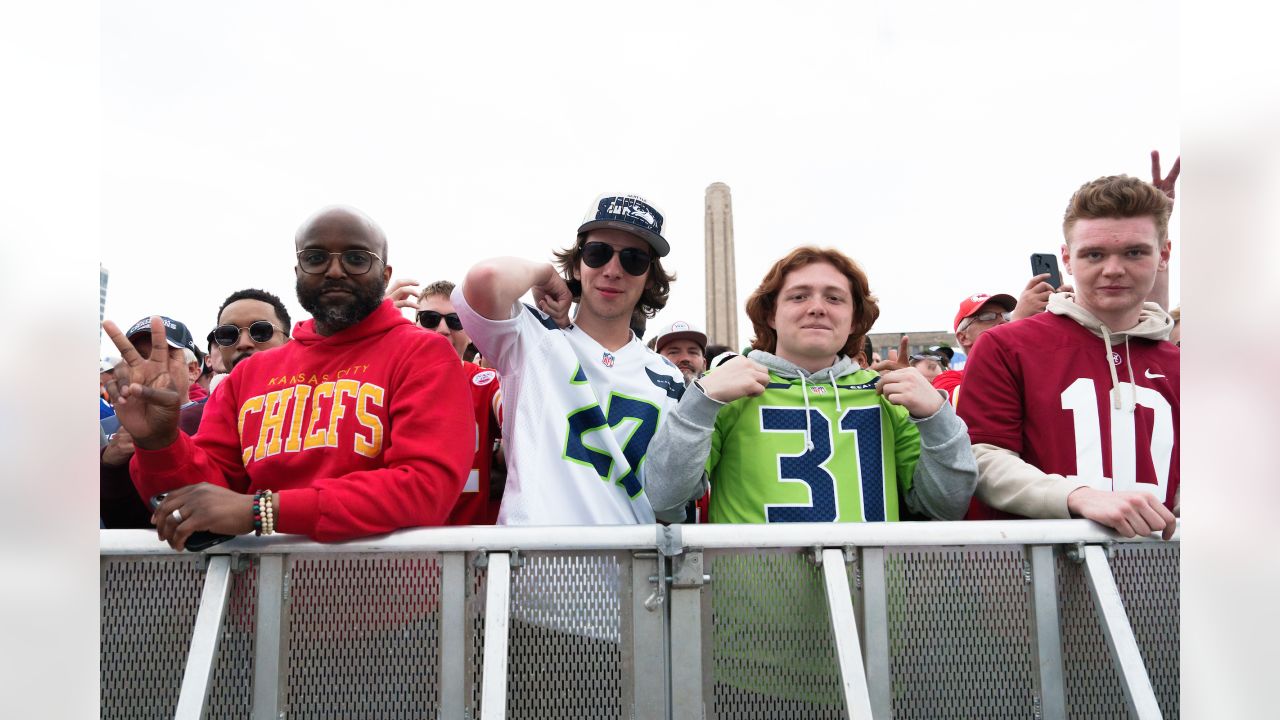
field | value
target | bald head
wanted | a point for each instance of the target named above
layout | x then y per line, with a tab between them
345	220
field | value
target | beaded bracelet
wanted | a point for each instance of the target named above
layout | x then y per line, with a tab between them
268	513
257	511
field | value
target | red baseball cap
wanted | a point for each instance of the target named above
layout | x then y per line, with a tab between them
973	303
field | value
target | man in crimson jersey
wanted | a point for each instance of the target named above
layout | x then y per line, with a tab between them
1074	412
351	429
482	495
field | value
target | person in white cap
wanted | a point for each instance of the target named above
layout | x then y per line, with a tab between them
583	396
685	346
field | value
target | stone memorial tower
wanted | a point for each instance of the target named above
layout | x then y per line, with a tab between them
722	295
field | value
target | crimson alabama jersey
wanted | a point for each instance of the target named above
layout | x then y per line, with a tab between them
474	506
1041	388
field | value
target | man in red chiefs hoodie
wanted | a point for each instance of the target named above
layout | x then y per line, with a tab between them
360	426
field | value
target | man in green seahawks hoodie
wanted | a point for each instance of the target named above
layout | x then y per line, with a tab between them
795	431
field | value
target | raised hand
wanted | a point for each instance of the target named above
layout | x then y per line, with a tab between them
1165	184
147	390
908	388
898	359
553	298
735	378
1035	297
404	293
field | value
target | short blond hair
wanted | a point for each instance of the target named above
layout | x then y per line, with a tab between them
443	288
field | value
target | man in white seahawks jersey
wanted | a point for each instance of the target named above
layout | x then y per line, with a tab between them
583	396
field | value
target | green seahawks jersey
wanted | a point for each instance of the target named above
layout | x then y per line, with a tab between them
859	461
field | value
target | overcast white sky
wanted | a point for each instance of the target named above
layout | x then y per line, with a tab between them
935	142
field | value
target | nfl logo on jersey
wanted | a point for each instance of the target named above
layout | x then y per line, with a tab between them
607	360
817	389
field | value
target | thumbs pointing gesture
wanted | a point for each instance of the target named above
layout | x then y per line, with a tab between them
897	358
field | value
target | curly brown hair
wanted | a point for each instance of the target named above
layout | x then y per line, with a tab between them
658	286
762	304
1118	196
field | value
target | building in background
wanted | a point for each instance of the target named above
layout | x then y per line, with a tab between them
102	295
722	293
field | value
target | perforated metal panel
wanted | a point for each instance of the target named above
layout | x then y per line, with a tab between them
231	693
960	633
363	637
1148	578
769	637
1091	679
475	633
149	608
570	633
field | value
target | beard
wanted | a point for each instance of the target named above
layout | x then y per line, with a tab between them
337	314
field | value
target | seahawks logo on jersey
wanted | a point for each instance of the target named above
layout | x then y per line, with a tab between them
674	388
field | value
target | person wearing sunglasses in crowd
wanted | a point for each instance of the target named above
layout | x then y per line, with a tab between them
353	428
584	395
249	322
482	494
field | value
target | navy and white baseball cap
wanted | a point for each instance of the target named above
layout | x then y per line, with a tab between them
629	213
175	333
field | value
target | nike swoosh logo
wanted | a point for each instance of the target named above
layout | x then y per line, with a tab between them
1150	375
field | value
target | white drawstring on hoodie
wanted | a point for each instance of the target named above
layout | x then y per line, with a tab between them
1153	324
808	424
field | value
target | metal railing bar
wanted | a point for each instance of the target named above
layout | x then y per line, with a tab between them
1139	695
875	622
685	599
453	598
642	537
844	632
268	632
1044	593
493	683
198	675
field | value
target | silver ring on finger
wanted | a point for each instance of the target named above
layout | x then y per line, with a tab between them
177	515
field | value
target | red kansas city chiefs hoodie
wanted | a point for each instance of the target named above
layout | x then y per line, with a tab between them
363	432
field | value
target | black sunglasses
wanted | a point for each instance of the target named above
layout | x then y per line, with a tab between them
260	331
634	261
430	319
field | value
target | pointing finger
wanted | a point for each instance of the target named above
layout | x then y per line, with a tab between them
127	352
159	344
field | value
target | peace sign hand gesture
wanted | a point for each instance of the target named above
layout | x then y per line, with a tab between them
1165	184
147	389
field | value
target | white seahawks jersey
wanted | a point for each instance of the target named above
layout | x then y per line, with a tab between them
578	419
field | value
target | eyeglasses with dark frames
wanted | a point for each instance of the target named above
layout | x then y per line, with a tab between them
315	261
430	319
260	331
634	260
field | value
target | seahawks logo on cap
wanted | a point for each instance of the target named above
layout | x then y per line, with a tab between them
631	210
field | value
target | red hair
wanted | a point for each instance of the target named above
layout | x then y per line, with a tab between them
763	302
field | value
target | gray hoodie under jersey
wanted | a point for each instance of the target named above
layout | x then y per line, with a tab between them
944	479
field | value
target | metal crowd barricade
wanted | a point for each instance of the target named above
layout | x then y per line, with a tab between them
1046	619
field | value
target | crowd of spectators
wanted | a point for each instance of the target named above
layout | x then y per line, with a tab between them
485	408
